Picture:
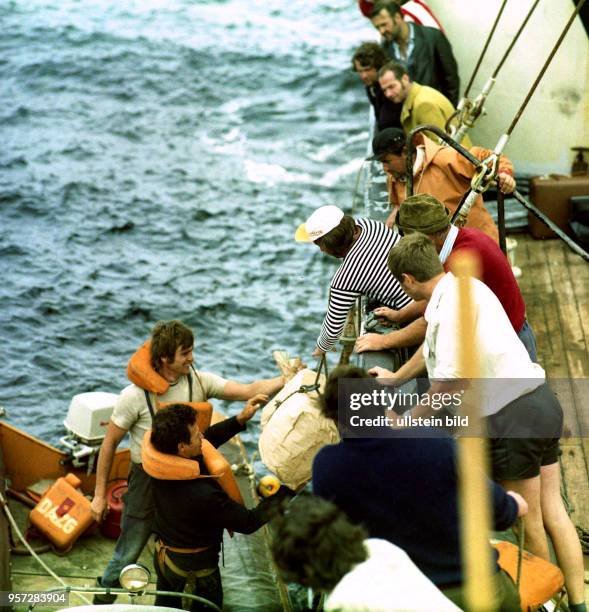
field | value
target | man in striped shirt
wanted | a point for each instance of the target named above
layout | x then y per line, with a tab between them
363	247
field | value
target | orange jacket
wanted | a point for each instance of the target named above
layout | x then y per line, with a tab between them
446	175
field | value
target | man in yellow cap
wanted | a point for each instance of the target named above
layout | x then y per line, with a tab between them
363	247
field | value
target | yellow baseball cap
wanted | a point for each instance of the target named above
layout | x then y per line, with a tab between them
322	221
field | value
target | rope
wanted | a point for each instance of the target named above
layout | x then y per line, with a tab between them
480	60
308	388
322	365
538	213
501	220
355	192
546	64
15	527
520	551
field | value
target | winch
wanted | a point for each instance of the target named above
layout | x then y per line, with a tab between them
86	421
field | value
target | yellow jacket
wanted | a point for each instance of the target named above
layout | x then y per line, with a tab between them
427	105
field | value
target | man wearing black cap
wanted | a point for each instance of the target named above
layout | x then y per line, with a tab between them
439	171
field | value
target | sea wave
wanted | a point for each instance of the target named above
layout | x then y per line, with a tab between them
157	159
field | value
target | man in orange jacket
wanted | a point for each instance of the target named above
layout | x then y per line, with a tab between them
439	171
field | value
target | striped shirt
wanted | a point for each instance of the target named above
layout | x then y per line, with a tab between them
364	271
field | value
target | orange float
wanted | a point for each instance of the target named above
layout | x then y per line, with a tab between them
172	467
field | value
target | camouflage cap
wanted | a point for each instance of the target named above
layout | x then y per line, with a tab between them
422	213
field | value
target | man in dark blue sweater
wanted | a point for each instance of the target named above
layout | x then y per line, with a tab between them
404	489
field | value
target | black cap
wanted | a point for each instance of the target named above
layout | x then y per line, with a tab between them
389	140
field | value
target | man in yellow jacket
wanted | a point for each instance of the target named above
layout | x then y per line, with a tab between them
421	104
439	171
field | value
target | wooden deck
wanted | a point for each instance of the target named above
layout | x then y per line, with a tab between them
555	285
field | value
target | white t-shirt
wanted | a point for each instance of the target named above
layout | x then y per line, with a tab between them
131	411
501	353
389	581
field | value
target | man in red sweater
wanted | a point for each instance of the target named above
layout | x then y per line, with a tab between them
424	213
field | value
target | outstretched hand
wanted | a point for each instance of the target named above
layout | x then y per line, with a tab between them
252	407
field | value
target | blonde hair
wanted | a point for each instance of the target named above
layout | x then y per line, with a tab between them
416	255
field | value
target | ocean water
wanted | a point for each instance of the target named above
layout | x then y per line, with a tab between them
156	159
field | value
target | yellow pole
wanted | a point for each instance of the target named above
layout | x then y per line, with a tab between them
472	456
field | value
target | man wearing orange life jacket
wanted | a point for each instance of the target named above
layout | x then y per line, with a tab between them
165	375
186	547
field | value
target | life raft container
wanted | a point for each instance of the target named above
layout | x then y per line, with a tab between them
164	466
63	513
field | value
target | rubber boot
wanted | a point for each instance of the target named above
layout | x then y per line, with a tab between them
102	599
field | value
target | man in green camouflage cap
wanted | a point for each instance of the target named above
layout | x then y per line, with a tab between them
425	214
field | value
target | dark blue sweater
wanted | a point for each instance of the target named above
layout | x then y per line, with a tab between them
405	490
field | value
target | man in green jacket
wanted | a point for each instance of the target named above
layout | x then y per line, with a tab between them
421	104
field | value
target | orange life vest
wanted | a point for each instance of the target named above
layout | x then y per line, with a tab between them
172	467
141	373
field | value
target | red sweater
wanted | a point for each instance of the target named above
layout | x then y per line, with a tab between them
496	272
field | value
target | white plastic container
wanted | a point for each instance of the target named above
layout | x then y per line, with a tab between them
89	414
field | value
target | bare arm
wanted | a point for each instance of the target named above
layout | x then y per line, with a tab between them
114	435
411	369
411	335
234	390
412	311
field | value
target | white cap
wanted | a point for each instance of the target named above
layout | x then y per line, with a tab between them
322	221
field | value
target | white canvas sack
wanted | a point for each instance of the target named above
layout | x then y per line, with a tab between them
294	430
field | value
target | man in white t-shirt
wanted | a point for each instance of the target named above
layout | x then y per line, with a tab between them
171	356
318	546
523	416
